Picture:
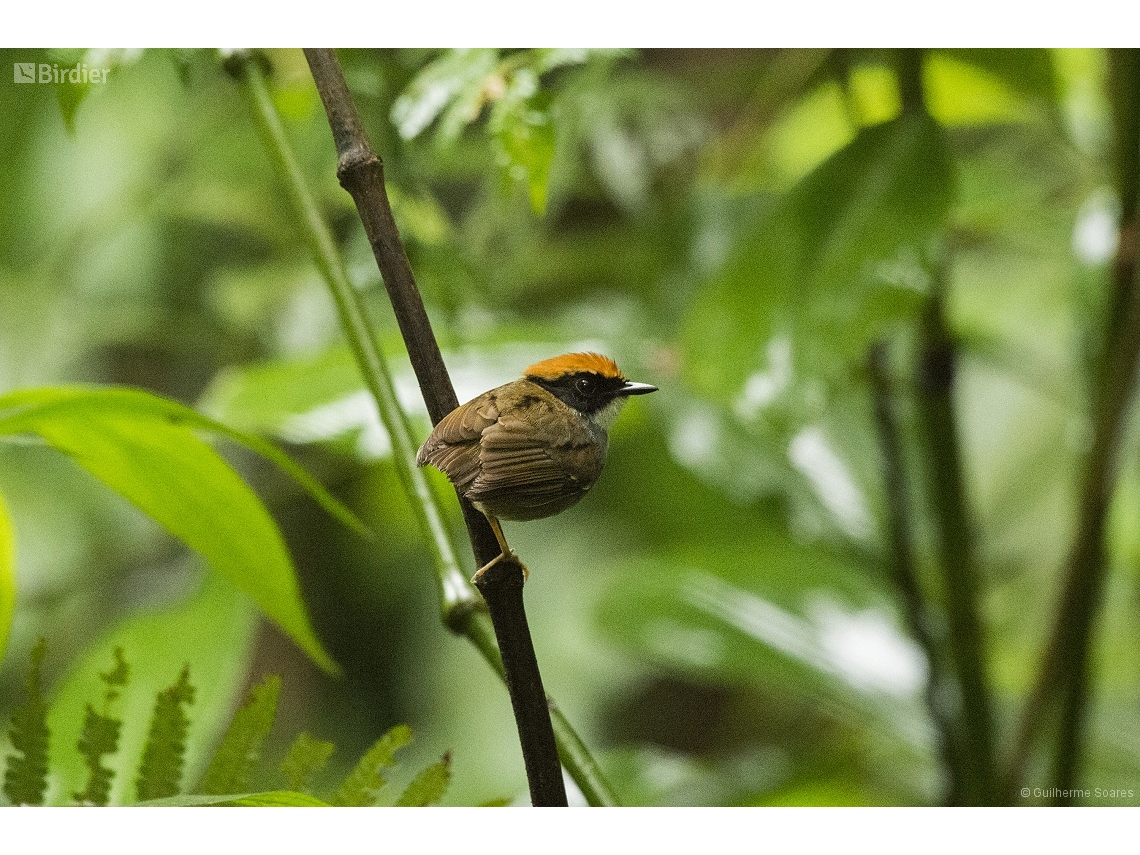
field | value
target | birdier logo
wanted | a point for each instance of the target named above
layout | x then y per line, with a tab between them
50	72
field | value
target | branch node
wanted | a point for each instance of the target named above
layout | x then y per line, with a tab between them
358	163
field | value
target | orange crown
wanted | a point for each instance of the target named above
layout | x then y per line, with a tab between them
573	363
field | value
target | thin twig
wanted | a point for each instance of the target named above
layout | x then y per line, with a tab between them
361	173
904	571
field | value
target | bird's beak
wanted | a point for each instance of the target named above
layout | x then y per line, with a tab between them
631	388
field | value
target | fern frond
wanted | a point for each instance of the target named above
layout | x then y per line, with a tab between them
100	736
161	769
306	757
233	762
428	786
360	787
25	779
116	678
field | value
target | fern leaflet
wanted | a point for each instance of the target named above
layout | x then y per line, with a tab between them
359	788
240	747
428	786
161	769
306	757
25	779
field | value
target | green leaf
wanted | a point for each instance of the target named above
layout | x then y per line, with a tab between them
7	576
277	798
265	397
360	787
25	779
890	188
793	630
69	96
454	85
1028	71
428	786
523	130
214	631
144	448
306	757
273	798
152	406
241	746
834	263
160	773
117	676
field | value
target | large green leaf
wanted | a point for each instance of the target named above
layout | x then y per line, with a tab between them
7	576
144	448
213	633
146	405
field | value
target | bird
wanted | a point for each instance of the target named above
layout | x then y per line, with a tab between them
535	446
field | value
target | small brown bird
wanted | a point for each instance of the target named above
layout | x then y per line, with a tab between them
534	447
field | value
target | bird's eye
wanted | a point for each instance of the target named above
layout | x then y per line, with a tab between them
584	386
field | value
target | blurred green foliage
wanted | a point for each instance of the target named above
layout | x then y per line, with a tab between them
736	227
226	781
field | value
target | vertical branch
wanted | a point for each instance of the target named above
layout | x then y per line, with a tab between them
955	544
953	531
502	584
457	598
361	173
1063	678
909	73
904	570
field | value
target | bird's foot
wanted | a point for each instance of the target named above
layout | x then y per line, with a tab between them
502	556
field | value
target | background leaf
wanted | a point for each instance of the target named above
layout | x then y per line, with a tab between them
213	632
306	757
272	798
229	771
133	446
362	784
428	787
25	775
856	229
160	772
7	576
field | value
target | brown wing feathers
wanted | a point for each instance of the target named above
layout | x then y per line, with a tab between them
491	458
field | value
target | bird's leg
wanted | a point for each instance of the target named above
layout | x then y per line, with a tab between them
504	551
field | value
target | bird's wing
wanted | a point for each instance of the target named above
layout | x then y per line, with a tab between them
535	474
453	447
489	456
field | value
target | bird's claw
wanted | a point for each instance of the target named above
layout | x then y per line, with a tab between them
500	557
